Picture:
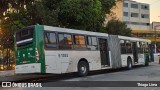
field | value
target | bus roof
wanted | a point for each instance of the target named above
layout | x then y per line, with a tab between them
74	31
133	39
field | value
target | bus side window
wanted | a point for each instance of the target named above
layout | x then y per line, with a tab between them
65	41
129	47
140	47
50	40
123	47
92	43
79	42
146	47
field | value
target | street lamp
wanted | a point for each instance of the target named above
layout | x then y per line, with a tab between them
155	36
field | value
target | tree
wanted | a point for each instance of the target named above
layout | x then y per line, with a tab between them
79	14
84	14
51	9
117	27
16	14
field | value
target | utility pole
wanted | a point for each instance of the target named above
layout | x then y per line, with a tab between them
155	46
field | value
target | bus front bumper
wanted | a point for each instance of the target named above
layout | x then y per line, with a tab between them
28	68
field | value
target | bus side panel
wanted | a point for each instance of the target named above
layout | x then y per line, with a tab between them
141	58
93	58
39	39
52	63
64	61
124	58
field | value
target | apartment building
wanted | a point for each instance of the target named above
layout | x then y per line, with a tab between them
135	14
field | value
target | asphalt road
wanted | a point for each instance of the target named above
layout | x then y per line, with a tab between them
150	73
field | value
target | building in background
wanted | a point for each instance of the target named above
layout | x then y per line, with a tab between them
135	14
137	17
150	34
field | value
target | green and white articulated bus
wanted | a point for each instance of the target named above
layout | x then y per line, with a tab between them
47	49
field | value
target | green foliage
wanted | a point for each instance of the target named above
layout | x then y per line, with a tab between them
116	27
51	9
84	14
79	14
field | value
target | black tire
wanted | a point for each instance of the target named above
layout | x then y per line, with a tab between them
83	68
147	61
129	64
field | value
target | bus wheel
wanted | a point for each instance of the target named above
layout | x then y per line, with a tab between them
83	68
147	61
129	64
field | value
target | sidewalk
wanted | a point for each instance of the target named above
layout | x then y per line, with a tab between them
6	73
11	76
21	77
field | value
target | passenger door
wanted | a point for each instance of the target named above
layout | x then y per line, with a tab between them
135	52
103	46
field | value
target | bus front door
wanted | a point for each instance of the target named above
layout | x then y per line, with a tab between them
103	46
135	52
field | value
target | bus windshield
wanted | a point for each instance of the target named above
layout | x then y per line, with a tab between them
24	36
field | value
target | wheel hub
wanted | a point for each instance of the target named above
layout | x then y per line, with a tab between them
83	69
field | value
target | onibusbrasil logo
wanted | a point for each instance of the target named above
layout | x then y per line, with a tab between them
13	84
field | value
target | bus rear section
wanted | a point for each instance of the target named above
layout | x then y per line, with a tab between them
27	55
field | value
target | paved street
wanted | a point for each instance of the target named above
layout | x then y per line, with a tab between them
150	73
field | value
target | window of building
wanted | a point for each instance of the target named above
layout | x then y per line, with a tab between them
144	15
125	14
125	4
65	41
134	6
135	23
50	40
146	24
92	43
145	7
134	14
79	42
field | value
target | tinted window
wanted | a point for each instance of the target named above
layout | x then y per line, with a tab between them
146	47
92	43
79	42
24	34
129	47
65	41
123	49
50	40
140	47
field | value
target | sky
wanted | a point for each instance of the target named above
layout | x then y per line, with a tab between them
154	9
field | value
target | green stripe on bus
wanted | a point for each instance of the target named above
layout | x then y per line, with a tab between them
40	45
